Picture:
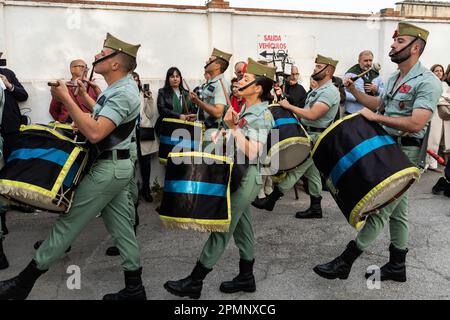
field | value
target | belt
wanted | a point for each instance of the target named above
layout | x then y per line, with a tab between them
314	129
109	154
409	141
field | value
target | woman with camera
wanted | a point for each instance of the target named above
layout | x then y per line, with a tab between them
145	134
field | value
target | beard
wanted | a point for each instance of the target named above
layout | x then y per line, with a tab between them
399	57
318	76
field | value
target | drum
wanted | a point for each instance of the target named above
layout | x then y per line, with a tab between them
197	192
364	168
288	144
179	136
44	169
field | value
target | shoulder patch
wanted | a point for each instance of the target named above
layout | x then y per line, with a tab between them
101	101
211	88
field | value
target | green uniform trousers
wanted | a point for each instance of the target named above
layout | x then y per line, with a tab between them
133	187
307	169
395	213
103	189
240	225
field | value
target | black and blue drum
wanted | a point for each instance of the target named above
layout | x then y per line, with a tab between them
43	169
364	168
197	192
179	136
288	144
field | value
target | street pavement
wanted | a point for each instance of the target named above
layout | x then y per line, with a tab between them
287	249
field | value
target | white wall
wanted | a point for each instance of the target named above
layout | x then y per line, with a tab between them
40	39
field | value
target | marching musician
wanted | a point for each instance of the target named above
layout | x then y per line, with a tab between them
214	97
104	188
78	70
321	107
249	129
409	101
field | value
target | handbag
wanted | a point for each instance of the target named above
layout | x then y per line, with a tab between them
146	134
444	111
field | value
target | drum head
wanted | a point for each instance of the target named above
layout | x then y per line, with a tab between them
383	194
288	155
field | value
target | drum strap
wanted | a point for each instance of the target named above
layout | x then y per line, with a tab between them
119	134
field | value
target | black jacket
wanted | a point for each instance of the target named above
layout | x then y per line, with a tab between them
11	120
164	103
295	94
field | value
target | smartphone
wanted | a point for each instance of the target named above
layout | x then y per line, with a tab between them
146	87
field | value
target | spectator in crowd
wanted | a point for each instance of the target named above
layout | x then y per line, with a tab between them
439	128
78	70
237	101
370	83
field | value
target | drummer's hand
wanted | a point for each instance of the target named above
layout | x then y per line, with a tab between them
284	103
74	127
183	117
95	86
349	84
194	97
231	118
60	93
369	114
278	90
191	117
81	88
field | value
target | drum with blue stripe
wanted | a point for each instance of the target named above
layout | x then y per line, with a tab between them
197	192
288	144
179	136
364	168
43	169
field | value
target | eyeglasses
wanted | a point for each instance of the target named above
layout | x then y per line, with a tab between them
79	66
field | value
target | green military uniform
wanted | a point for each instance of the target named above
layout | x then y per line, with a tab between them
259	121
105	188
255	124
213	94
419	89
329	95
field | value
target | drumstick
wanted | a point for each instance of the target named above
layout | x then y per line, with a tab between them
227	97
90	79
438	158
186	85
56	84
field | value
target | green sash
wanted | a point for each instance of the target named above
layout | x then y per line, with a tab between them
368	77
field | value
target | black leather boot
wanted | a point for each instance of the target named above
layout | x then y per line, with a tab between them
268	203
3	261
313	212
190	286
134	290
4	227
441	185
395	269
19	287
245	280
341	266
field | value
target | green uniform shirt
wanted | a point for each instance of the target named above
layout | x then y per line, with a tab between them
256	122
213	93
327	94
419	89
119	103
